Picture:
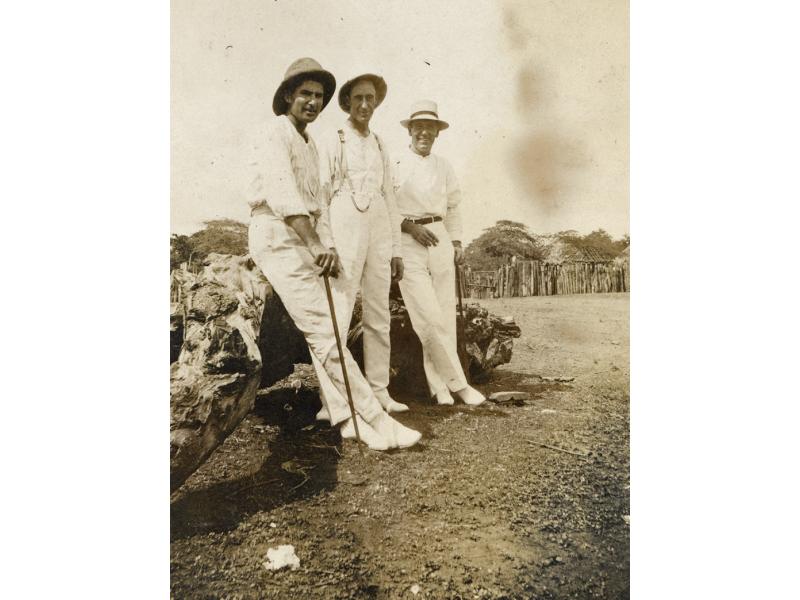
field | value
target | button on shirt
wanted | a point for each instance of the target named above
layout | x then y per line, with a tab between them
426	186
286	176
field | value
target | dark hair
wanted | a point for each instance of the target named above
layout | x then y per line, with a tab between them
290	87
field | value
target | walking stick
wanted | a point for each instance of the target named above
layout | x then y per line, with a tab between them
462	344
341	359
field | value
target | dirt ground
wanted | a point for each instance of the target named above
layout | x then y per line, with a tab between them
497	501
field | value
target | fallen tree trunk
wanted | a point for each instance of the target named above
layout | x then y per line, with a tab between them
231	335
217	364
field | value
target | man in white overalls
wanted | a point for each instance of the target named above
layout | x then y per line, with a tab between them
428	197
356	176
289	240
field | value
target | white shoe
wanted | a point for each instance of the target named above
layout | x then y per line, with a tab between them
396	434
323	414
444	397
368	435
389	404
471	396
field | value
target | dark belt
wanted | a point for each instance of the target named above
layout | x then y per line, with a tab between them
424	220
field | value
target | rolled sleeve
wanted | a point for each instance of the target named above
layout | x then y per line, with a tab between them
274	183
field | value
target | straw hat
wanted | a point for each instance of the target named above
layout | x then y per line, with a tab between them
303	68
425	110
377	81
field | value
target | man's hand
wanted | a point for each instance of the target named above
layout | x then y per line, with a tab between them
326	259
422	234
458	253
397	268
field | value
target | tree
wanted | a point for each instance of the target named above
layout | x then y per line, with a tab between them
497	244
224	236
180	249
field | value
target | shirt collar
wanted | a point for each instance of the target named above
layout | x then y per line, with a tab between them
419	156
352	127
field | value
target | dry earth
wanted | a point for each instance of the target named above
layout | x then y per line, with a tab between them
499	501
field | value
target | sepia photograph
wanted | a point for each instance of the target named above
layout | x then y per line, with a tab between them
407	359
400	278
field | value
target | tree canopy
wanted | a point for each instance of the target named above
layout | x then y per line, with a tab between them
225	236
497	244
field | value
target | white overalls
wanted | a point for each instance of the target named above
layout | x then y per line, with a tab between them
365	226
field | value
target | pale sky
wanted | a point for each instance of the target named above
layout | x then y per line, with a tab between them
536	94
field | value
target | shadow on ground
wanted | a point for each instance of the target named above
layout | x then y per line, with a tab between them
301	460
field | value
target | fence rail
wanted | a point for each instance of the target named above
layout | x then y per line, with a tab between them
535	278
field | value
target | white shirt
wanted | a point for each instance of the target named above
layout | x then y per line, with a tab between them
426	186
286	176
368	171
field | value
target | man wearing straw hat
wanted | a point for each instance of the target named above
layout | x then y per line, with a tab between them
428	197
289	240
355	175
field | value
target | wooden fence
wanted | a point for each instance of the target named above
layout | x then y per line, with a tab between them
535	278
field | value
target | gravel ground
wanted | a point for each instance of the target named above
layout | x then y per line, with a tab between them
529	500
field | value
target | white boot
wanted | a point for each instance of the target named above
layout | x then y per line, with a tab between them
368	435
389	404
396	434
471	396
444	397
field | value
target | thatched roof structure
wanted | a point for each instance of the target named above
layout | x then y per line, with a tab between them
624	256
562	251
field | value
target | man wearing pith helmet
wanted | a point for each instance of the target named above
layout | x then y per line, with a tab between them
290	241
429	198
355	175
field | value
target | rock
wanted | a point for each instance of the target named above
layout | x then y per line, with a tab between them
556	379
280	557
501	397
214	378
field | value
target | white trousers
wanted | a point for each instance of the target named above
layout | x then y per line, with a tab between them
364	244
429	293
288	265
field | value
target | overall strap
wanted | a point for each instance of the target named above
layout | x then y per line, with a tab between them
343	176
384	163
342	166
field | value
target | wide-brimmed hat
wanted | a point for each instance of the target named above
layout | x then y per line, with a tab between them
377	81
424	110
303	68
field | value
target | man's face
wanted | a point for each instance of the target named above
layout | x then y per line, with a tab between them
305	102
423	134
363	99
